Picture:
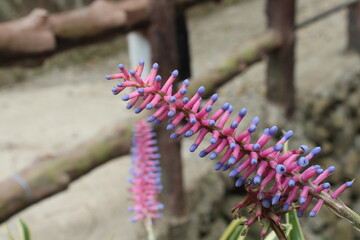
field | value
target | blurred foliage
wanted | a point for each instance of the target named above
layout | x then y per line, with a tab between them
296	231
236	230
23	231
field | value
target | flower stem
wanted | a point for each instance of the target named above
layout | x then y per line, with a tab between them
149	229
340	209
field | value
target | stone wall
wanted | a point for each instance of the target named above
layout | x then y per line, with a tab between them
332	121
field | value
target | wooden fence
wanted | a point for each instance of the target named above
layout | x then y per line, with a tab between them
165	22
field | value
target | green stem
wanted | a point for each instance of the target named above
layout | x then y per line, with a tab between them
229	230
340	209
278	231
149	229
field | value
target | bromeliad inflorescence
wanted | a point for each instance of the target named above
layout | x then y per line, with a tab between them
274	179
146	173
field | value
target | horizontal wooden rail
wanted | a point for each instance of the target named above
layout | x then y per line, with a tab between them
40	34
326	13
46	177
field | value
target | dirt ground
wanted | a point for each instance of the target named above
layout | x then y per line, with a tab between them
63	107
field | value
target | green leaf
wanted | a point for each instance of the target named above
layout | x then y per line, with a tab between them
296	232
272	234
23	228
234	231
10	236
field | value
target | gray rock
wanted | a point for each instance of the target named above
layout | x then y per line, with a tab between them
217	229
352	160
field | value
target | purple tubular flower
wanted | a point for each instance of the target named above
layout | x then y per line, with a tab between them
146	171
341	189
288	173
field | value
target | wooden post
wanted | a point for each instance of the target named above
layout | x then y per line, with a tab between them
354	27
280	69
183	47
164	45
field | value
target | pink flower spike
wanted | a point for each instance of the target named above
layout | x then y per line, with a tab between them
304	194
313	152
220	112
242	136
231	142
215	136
223	159
131	103
199	139
288	160
341	189
241	167
240	116
236	155
324	175
316	208
209	149
219	149
207	107
278	181
114	76
291	198
170	81
268	151
131	95
153	102
146	101
196	105
195	98
311	172
194	129
270	175
136	77
262	168
224	117
139	68
117	90
146	181
286	137
291	167
181	131
304	206
291	156
150	79
160	111
124	71
322	187
267	135
161	118
246	174
182	90
177	119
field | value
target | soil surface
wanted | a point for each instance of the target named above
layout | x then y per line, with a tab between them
63	107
